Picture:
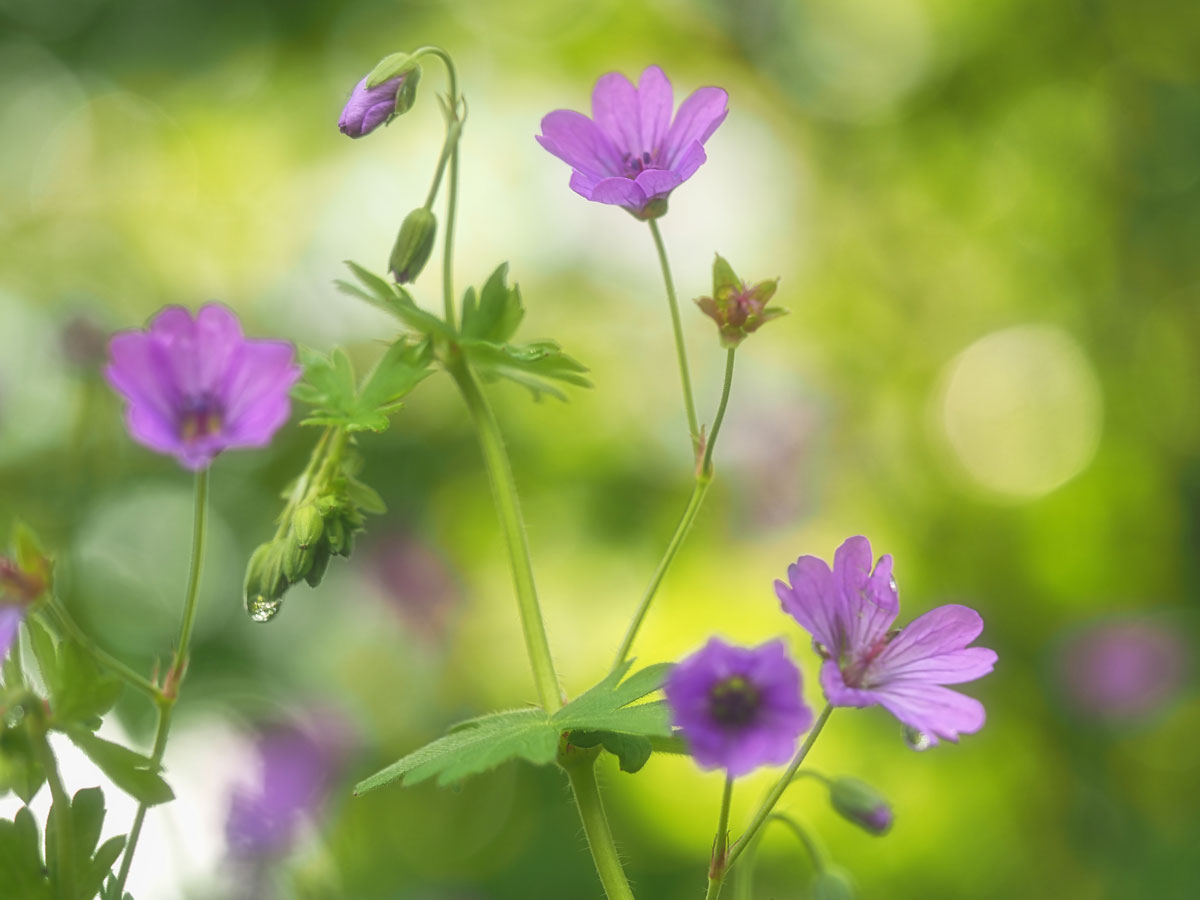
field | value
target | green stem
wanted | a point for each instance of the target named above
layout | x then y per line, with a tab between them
595	825
60	615
65	824
781	785
449	151
716	869
508	508
677	326
174	678
814	852
706	466
681	532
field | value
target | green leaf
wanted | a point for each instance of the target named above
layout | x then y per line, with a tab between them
21	768
393	299
632	750
83	692
329	385
473	747
21	859
365	497
607	705
535	365
89	865
133	773
498	312
675	745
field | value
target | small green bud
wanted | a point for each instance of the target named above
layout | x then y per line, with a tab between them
307	526
832	884
861	804
320	562
335	533
413	246
264	572
297	561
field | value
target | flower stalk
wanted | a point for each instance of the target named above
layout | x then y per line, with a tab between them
685	377
175	675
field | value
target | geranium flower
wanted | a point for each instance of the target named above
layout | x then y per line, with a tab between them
631	153
195	387
738	707
850	612
368	108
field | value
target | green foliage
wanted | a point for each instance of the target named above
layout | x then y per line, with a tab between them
606	715
393	299
80	692
490	321
135	774
330	386
90	864
21	769
26	877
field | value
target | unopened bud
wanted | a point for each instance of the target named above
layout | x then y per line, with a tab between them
832	884
320	562
307	525
377	100
737	307
861	804
264	573
413	246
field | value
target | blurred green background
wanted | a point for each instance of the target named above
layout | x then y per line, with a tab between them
986	219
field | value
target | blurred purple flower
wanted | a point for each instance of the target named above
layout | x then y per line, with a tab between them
297	766
850	612
368	108
195	387
739	707
416	582
630	153
1123	670
10	621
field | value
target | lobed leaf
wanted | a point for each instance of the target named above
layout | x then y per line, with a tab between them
473	747
135	774
607	705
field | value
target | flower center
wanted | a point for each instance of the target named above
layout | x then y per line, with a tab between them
733	702
200	419
856	669
636	165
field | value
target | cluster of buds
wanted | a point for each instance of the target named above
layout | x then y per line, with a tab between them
314	532
738	307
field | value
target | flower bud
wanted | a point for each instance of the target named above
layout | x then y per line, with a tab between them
737	307
832	884
264	573
373	102
413	245
297	561
861	804
320	562
307	526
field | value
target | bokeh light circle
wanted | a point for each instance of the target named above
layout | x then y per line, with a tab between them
1021	410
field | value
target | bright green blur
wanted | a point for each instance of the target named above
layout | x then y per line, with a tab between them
985	218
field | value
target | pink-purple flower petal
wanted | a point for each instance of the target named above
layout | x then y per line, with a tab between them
196	386
809	598
10	621
937	711
698	117
577	141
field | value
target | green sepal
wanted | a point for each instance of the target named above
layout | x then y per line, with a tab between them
135	774
389	67
725	280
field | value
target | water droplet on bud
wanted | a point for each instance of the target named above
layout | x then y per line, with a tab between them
916	739
263	608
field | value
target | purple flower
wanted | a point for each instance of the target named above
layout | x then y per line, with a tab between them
195	387
297	766
368	108
630	153
10	621
850	612
739	708
1124	670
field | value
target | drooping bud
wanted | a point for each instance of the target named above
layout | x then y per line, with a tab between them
738	307
307	525
861	804
265	581
832	884
388	91
413	246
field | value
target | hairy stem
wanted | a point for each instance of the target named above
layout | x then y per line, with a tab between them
595	825
175	675
508	508
677	326
720	843
706	466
